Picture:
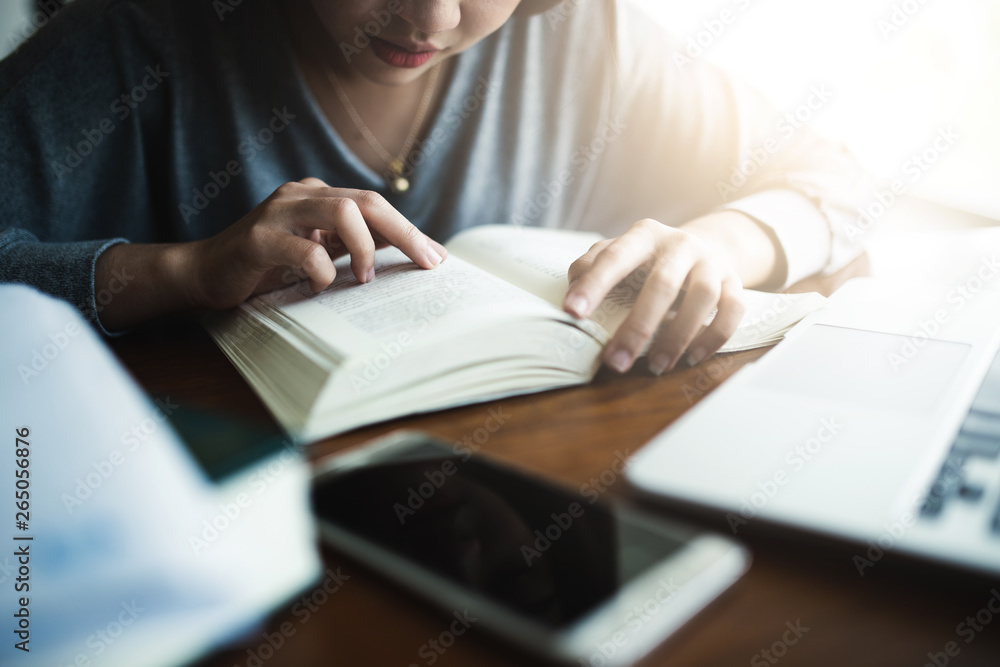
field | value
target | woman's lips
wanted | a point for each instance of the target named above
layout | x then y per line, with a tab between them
398	56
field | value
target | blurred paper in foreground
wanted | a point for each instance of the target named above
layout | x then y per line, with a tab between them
123	551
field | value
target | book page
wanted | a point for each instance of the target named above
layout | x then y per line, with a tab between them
533	258
538	260
769	317
403	300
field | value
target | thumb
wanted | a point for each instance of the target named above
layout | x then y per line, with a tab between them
308	256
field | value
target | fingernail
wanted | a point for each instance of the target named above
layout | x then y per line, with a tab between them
620	360
659	364
434	257
370	276
441	250
577	305
695	357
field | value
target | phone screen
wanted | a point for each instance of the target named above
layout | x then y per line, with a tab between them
545	553
223	445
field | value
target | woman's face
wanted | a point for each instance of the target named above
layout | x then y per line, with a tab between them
394	42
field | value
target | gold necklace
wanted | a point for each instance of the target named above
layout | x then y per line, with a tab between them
394	177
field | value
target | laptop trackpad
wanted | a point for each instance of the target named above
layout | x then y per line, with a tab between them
867	369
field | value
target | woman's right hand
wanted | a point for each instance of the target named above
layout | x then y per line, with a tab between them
296	233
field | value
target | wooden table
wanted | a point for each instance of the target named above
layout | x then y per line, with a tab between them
895	615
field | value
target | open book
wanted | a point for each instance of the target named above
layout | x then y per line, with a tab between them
486	323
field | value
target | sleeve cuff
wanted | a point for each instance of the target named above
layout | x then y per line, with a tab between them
63	270
100	297
800	229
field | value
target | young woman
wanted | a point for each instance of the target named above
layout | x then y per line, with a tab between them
163	155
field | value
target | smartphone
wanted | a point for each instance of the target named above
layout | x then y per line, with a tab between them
572	576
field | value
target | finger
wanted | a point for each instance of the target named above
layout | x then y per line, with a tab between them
704	289
380	215
722	328
342	215
300	253
613	263
660	291
397	230
292	190
329	240
585	261
313	182
379	241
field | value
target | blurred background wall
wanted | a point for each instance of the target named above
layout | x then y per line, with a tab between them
899	71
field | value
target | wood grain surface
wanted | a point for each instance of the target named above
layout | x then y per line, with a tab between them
899	613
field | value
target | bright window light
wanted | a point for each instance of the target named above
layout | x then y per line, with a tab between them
901	72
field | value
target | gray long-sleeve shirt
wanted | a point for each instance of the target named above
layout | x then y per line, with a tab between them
168	120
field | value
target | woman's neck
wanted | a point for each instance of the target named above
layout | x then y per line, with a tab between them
387	111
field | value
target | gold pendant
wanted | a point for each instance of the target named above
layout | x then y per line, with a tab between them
397	183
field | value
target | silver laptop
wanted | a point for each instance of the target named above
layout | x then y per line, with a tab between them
876	420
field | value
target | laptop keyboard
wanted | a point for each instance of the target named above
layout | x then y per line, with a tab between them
976	450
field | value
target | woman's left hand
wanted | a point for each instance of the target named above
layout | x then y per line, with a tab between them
678	263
